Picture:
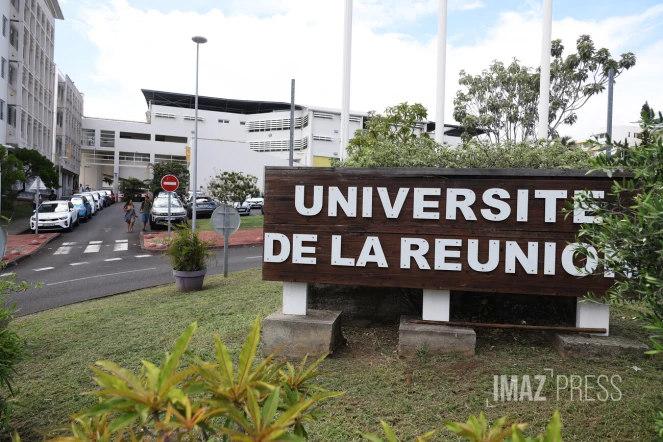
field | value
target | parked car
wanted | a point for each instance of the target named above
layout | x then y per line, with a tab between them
103	198
256	203
56	214
92	199
204	206
110	198
159	212
82	204
244	208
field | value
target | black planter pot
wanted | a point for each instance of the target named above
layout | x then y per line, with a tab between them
189	281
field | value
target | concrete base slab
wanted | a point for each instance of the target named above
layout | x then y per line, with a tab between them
317	333
587	346
438	339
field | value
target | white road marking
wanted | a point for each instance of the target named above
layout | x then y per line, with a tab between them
78	263
120	247
45	268
113	259
101	276
92	248
253	257
8	274
121	240
62	251
96	242
143	256
68	243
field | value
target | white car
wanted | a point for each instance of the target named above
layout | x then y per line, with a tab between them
55	215
256	203
159	213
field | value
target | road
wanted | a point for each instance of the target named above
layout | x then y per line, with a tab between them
99	258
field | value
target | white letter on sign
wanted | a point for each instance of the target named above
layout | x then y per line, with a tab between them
490	200
590	264
269	247
372	244
441	254
464	205
298	249
529	261
337	260
420	204
317	201
407	253
336	198
580	207
551	197
493	255
395	210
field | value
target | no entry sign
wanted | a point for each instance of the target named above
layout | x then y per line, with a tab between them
170	183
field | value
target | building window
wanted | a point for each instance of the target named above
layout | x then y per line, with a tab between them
107	138
170	139
11	115
2	110
224	121
12	74
59	119
242	123
193	117
13	37
135	136
88	138
4	26
2	67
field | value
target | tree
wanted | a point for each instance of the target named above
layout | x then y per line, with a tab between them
233	187
132	188
36	165
12	173
503	100
159	170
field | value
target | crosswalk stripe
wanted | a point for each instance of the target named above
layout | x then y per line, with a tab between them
113	259
143	256
92	248
96	242
68	243
62	250
121	240
120	247
78	263
45	268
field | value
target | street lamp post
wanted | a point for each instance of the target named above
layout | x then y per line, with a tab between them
60	173
194	161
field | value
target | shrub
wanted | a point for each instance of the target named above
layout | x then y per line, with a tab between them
187	252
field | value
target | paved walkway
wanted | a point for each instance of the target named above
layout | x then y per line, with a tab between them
156	241
20	247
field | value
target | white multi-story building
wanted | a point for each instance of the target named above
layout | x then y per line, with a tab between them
233	135
27	86
66	153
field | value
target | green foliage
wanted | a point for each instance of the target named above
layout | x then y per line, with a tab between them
503	100
187	252
199	401
424	152
37	165
12	173
132	188
233	187
398	123
12	349
159	170
477	430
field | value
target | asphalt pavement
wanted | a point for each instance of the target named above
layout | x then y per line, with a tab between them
98	259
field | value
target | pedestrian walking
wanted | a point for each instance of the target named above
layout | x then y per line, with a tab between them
145	208
130	215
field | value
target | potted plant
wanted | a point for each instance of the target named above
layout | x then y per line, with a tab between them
188	255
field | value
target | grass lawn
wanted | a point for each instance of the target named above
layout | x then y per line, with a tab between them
247	222
22	211
144	324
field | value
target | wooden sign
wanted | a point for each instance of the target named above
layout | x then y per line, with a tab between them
488	230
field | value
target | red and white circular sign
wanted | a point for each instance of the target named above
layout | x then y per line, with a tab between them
170	183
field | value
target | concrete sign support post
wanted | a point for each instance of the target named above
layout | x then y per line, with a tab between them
441	70
544	98
347	58
295	296
436	305
593	315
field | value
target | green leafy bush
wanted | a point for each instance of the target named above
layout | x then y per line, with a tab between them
187	252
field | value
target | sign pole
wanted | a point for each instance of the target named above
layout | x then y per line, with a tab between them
169	194
37	209
226	234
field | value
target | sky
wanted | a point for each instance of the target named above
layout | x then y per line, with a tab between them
114	48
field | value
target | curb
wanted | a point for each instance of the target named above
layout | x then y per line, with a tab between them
150	249
22	258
